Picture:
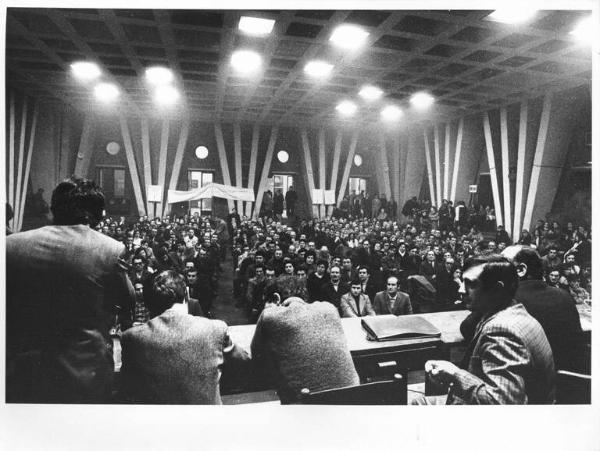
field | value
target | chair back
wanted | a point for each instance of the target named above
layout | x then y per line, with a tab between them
573	388
391	392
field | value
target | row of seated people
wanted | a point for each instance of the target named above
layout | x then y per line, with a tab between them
177	358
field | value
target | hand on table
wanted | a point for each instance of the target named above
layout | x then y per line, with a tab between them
440	371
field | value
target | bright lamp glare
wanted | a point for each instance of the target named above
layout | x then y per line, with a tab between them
391	113
346	108
166	95
256	26
283	156
159	75
421	100
106	92
370	92
318	68
85	71
246	61
512	15
349	36
584	31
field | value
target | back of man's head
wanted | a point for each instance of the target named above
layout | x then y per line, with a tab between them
498	277
529	264
77	201
165	289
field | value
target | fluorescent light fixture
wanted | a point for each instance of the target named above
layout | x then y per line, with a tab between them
421	100
370	92
346	108
349	36
391	113
515	15
246	61
318	68
158	75
166	95
106	92
584	31
283	156
255	25
85	71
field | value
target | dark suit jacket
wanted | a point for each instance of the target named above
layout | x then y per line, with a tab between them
177	358
429	271
328	293
556	312
402	306
64	285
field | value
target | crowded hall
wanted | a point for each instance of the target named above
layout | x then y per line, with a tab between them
266	207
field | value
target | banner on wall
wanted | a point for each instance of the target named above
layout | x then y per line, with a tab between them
154	193
211	190
323	196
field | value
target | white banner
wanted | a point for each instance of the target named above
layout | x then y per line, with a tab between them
154	193
211	190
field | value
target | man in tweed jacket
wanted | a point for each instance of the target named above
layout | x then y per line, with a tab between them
176	358
509	359
302	345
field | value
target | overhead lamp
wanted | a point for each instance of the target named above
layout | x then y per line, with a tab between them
349	36
346	108
584	31
166	95
370	92
421	100
159	75
358	161
246	61
318	68
85	70
391	113
515	15
106	92
255	25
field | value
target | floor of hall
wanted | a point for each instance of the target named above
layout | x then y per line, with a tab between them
224	307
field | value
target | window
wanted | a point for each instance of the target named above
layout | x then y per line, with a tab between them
281	182
356	185
197	179
112	181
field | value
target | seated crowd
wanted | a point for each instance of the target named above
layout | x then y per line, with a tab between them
297	282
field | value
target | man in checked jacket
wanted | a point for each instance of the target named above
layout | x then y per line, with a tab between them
509	359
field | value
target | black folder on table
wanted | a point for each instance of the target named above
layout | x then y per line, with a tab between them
391	327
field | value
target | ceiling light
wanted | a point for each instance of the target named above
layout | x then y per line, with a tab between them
85	71
421	100
246	61
391	113
159	75
255	25
346	108
512	15
166	95
584	31
106	92
370	92
357	160
318	68
349	36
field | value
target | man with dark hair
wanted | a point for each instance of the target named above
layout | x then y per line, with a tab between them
333	290
301	345
176	358
552	307
58	344
551	260
316	280
509	359
355	303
